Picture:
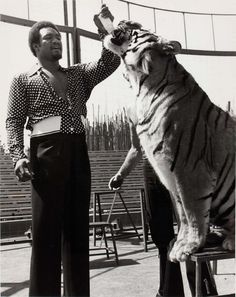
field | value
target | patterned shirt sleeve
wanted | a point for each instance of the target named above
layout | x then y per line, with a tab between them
97	71
16	118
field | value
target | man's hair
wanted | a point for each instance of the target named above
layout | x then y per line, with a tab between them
34	35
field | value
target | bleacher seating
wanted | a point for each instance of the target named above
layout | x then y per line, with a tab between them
15	202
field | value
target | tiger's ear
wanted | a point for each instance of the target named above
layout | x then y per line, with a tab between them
134	25
172	47
129	25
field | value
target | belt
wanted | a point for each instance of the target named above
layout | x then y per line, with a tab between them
47	126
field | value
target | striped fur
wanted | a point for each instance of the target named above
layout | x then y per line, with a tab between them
188	140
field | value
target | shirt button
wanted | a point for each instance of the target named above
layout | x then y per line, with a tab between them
71	129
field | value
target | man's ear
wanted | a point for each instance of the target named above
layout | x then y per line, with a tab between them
35	47
172	47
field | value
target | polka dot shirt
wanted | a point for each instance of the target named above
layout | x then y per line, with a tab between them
32	98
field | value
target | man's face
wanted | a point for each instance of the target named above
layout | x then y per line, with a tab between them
50	46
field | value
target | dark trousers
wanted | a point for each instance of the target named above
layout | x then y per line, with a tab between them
60	208
160	217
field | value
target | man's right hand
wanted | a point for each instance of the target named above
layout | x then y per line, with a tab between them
22	170
115	182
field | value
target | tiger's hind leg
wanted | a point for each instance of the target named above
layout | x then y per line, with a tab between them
223	208
229	241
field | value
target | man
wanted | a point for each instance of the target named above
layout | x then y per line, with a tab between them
159	214
53	101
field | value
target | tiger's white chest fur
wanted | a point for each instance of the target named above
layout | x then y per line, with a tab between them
156	146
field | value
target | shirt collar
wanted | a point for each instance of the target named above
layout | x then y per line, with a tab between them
36	68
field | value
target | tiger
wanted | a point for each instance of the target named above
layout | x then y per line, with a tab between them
189	141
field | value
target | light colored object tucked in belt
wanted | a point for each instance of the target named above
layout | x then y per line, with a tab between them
47	126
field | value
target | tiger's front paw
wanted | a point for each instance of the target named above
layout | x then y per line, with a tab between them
182	252
173	255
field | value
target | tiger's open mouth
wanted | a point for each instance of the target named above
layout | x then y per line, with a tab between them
117	41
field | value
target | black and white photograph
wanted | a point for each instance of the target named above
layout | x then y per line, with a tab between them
117	148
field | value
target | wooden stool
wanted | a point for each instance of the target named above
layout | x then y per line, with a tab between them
208	254
108	251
